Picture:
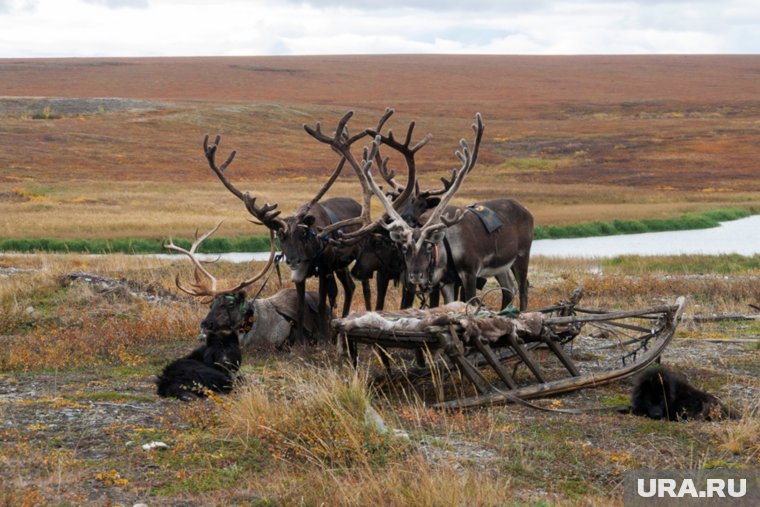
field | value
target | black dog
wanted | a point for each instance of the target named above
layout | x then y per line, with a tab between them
663	394
208	368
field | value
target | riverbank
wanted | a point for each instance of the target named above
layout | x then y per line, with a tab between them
218	245
688	221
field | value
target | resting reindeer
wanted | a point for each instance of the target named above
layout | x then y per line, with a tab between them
211	367
263	321
256	321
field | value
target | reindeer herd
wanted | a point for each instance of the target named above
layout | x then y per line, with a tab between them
420	240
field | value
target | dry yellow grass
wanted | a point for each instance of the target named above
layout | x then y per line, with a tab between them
90	210
741	436
298	432
651	143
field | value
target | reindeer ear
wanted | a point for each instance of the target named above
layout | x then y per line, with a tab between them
241	296
396	236
432	202
308	220
437	236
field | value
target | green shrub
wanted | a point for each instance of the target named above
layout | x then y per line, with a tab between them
131	245
688	221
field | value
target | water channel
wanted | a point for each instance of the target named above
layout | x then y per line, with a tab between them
737	236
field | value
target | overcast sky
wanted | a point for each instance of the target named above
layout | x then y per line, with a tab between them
59	28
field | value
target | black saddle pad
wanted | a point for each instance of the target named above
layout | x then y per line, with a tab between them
487	217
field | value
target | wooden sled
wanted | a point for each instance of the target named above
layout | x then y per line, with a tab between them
594	347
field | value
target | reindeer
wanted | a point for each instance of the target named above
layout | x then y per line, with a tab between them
256	321
376	253
355	239
211	367
449	245
379	254
304	236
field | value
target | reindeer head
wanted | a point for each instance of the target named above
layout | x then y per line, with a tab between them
376	251
422	245
229	309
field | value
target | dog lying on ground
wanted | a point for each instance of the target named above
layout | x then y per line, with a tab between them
660	393
211	367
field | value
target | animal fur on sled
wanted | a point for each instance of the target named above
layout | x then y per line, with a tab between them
489	327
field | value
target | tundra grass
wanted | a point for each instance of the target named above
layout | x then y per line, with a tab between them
260	243
684	264
133	245
298	432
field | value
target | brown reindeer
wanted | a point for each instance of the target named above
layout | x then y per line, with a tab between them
256	321
449	245
370	255
377	253
304	236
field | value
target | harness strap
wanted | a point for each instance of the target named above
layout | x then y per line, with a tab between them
247	323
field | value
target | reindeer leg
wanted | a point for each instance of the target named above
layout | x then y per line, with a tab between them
348	289
520	270
449	294
301	291
407	296
322	313
367	292
469	286
382	290
507	289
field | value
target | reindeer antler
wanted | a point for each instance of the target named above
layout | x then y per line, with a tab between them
437	220
341	143
267	214
207	288
408	152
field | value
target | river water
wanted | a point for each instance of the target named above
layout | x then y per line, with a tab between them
737	236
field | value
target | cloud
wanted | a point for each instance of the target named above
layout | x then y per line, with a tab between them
261	27
117	4
10	6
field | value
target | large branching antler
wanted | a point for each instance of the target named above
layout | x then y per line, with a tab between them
437	220
267	214
408	152
388	175
205	284
303	210
401	193
397	221
341	142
